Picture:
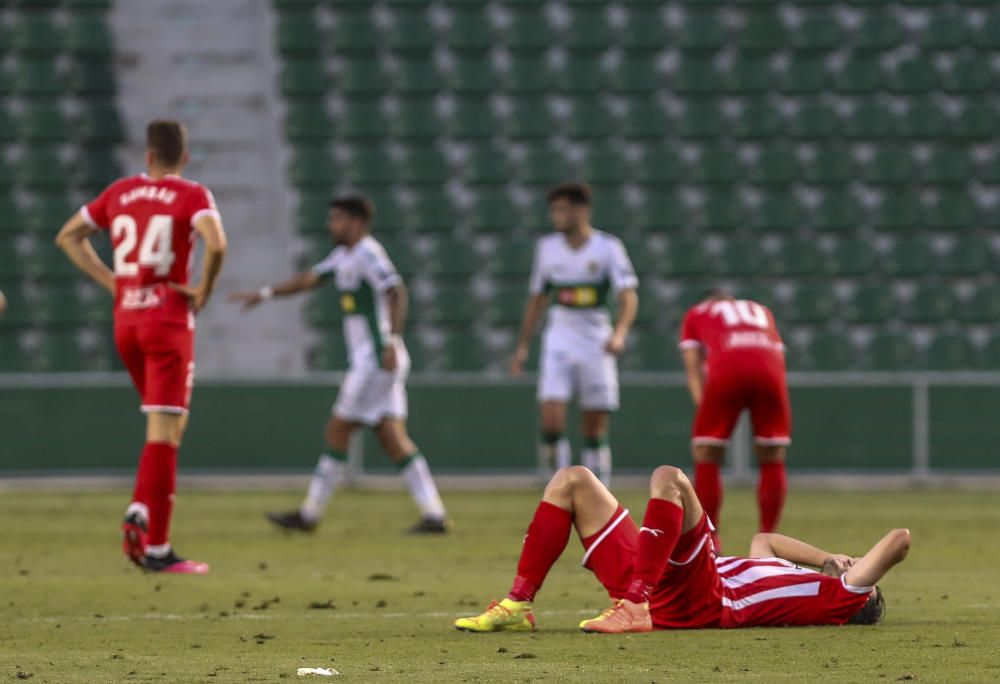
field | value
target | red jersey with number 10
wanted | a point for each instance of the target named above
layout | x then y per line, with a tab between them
732	329
151	223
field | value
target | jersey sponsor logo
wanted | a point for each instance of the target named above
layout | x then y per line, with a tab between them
134	298
348	304
582	297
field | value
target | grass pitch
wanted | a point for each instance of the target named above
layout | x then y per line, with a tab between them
359	597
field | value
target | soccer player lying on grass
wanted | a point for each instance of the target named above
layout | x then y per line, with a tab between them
665	574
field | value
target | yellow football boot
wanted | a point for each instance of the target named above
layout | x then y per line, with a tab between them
505	615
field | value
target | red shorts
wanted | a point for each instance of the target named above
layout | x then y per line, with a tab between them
761	389
160	358
688	595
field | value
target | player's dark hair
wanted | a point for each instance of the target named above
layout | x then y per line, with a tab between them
167	140
577	193
872	612
357	206
717	293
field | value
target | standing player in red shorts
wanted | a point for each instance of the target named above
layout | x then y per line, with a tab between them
666	575
153	219
735	360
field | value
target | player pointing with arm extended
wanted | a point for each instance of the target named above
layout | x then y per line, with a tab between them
153	219
735	360
575	268
373	299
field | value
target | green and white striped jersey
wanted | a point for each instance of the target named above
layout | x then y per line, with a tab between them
362	274
579	281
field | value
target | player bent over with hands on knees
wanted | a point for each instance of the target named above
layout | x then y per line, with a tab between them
153	219
373	300
666	575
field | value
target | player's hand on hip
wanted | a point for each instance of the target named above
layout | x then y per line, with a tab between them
517	361
615	345
197	295
389	360
248	299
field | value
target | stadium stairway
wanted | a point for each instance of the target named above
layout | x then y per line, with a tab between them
212	65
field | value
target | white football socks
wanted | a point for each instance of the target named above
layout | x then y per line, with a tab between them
417	476
598	459
329	475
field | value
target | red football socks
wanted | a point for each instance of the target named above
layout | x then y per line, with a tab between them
771	492
154	486
547	537
708	487
661	528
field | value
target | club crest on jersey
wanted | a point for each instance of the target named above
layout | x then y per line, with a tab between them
347	303
592	266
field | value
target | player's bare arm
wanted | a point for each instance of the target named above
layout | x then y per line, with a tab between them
3	303
533	311
694	362
773	545
209	227
398	300
302	282
890	550
628	305
74	240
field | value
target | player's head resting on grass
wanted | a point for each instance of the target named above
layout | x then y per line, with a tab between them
569	206
166	146
350	218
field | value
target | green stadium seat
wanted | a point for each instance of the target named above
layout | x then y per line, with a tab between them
588	29
662	212
899	210
659	165
763	30
870	121
370	165
931	304
35	33
948	165
757	120
812	304
989	356
977	121
303	78
48	210
473	74
946	30
590	119
859	75
354	30
827	352
636	73
473	117
889	165
330	353
697	76
486	165
529	118
644	119
644	29
914	75
410	30
361	119
923	118
777	211
95	169
57	305
470	29
950	351
702	30
582	73
701	119
830	165
716	164
460	353
952	211
850	257
100	123
797	258
60	353
41	168
529	29
494	211
982	307
298	33
685	258
311	213
611	212
879	30
969	74
967	256
721	211
813	120
890	351
529	73
804	75
37	77
774	165
362	75
988	35
651	351
424	164
312	167
94	77
870	304
604	164
543	166
44	123
389	214
432	212
908	257
453	258
512	259
308	121
740	258
506	303
819	30
89	36
748	73
418	76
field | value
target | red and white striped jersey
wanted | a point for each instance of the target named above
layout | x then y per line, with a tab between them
774	592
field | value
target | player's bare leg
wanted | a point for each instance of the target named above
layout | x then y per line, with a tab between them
573	497
554	451
146	529
672	510
772	486
396	443
708	460
329	474
596	453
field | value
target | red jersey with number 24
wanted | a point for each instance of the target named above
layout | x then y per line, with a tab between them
151	223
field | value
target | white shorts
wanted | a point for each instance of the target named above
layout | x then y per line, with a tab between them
591	375
369	395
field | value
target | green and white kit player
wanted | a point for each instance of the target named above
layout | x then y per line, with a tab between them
373	299
574	271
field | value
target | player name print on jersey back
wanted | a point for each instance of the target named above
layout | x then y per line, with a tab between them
579	281
151	222
726	325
